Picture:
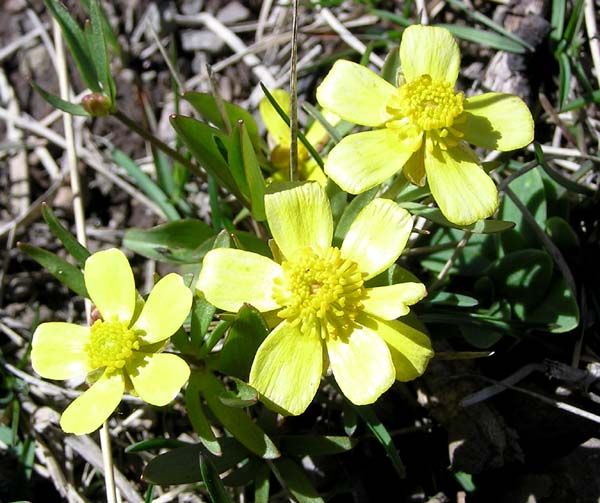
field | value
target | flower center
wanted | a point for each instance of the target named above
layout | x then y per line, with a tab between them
426	103
321	293
111	344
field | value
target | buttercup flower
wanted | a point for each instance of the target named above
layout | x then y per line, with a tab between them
424	126
121	350
279	134
329	318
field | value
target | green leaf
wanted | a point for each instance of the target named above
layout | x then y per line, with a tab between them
66	273
574	22
244	396
465	480
246	334
79	252
181	242
564	78
314	445
214	486
319	117
558	19
76	42
202	314
484	37
435	215
155	443
529	189
558	177
99	52
452	299
350	213
391	66
253	174
381	433
562	234
57	102
558	309
290	475
394	18
198	418
261	484
206	105
145	183
235	420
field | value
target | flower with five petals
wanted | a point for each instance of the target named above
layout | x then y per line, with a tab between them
424	126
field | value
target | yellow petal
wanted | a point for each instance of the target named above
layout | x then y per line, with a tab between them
165	310
317	135
110	284
428	50
363	160
273	122
497	121
408	343
414	169
391	302
287	369
87	413
362	365
356	94
58	350
460	187
310	170
231	278
157	378
377	236
299	218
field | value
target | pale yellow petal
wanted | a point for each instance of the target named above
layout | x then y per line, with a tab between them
275	125
231	278
391	302
317	135
110	284
408	343
363	160
165	310
300	218
414	169
377	236
87	413
287	369
356	94
58	350
157	378
429	50
461	188
362	365
310	170
496	121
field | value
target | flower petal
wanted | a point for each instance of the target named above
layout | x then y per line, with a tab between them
363	160
231	278
157	377
362	365
275	125
87	413
165	310
408	343
377	236
310	170
497	121
287	369
356	94
58	350
110	284
460	187
317	135
391	302
414	169
429	50
300	218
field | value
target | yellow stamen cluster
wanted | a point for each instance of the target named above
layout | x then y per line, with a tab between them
321	292
111	344
426	103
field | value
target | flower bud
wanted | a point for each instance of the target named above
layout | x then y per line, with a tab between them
96	104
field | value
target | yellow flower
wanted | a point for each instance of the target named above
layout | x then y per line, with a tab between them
329	317
424	126
121	350
279	135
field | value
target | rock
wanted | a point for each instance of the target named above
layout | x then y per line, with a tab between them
233	12
201	40
192	6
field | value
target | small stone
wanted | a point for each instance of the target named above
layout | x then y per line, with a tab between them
233	12
201	40
192	6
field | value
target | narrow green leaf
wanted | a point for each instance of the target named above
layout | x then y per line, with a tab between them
559	178
214	486
582	102
74	247
452	299
391	66
484	37
319	117
213	338
558	19
198	418
465	480
76	42
564	78
253	174
183	241
314	445
57	102
155	443
350	213
145	183
66	273
235	420
202	314
261	484
394	18
99	52
290	475
574	22
244	396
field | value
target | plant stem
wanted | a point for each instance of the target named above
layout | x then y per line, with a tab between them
107	461
294	95
161	145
